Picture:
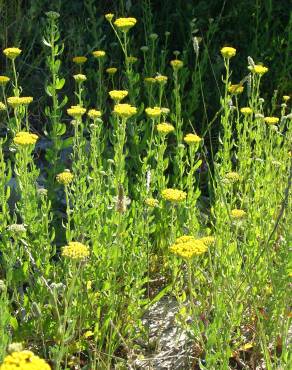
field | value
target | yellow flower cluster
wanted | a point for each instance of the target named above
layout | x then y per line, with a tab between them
75	111
153	112
189	249
173	195
79	77
235	89
246	111
79	60
149	80
16	101
161	79
192	139
111	70
271	120
132	60
75	251
237	214
23	138
118	95
125	110
11	53
24	360
65	178
232	177
164	128
151	202
258	69
98	53
4	80
176	64
228	52
124	24
93	113
285	97
2	106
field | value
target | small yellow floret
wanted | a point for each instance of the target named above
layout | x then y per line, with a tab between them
132	60
118	95
75	111
164	128
232	177
111	70
184	239
11	53
235	89
75	251
192	139
109	17
2	106
176	64
153	112
237	213
228	52
246	111
271	120
80	77
98	53
258	69
285	97
125	110
151	202
189	249
124	24
93	113
4	80
161	79
79	60
149	80
65	178
173	195
23	138
16	101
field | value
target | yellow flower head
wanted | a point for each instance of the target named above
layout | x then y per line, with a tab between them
98	54
161	79
285	97
4	80
79	77
184	239
235	89
153	112
124	24
164	128
237	214
258	69
93	114
11	53
23	138
125	110
111	70
271	120
79	60
118	95
173	195
246	111
192	139
208	240
132	60
232	177
75	251
189	249
25	360
151	202
177	64
149	80
2	106
75	111
228	52
109	17
65	178
16	101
